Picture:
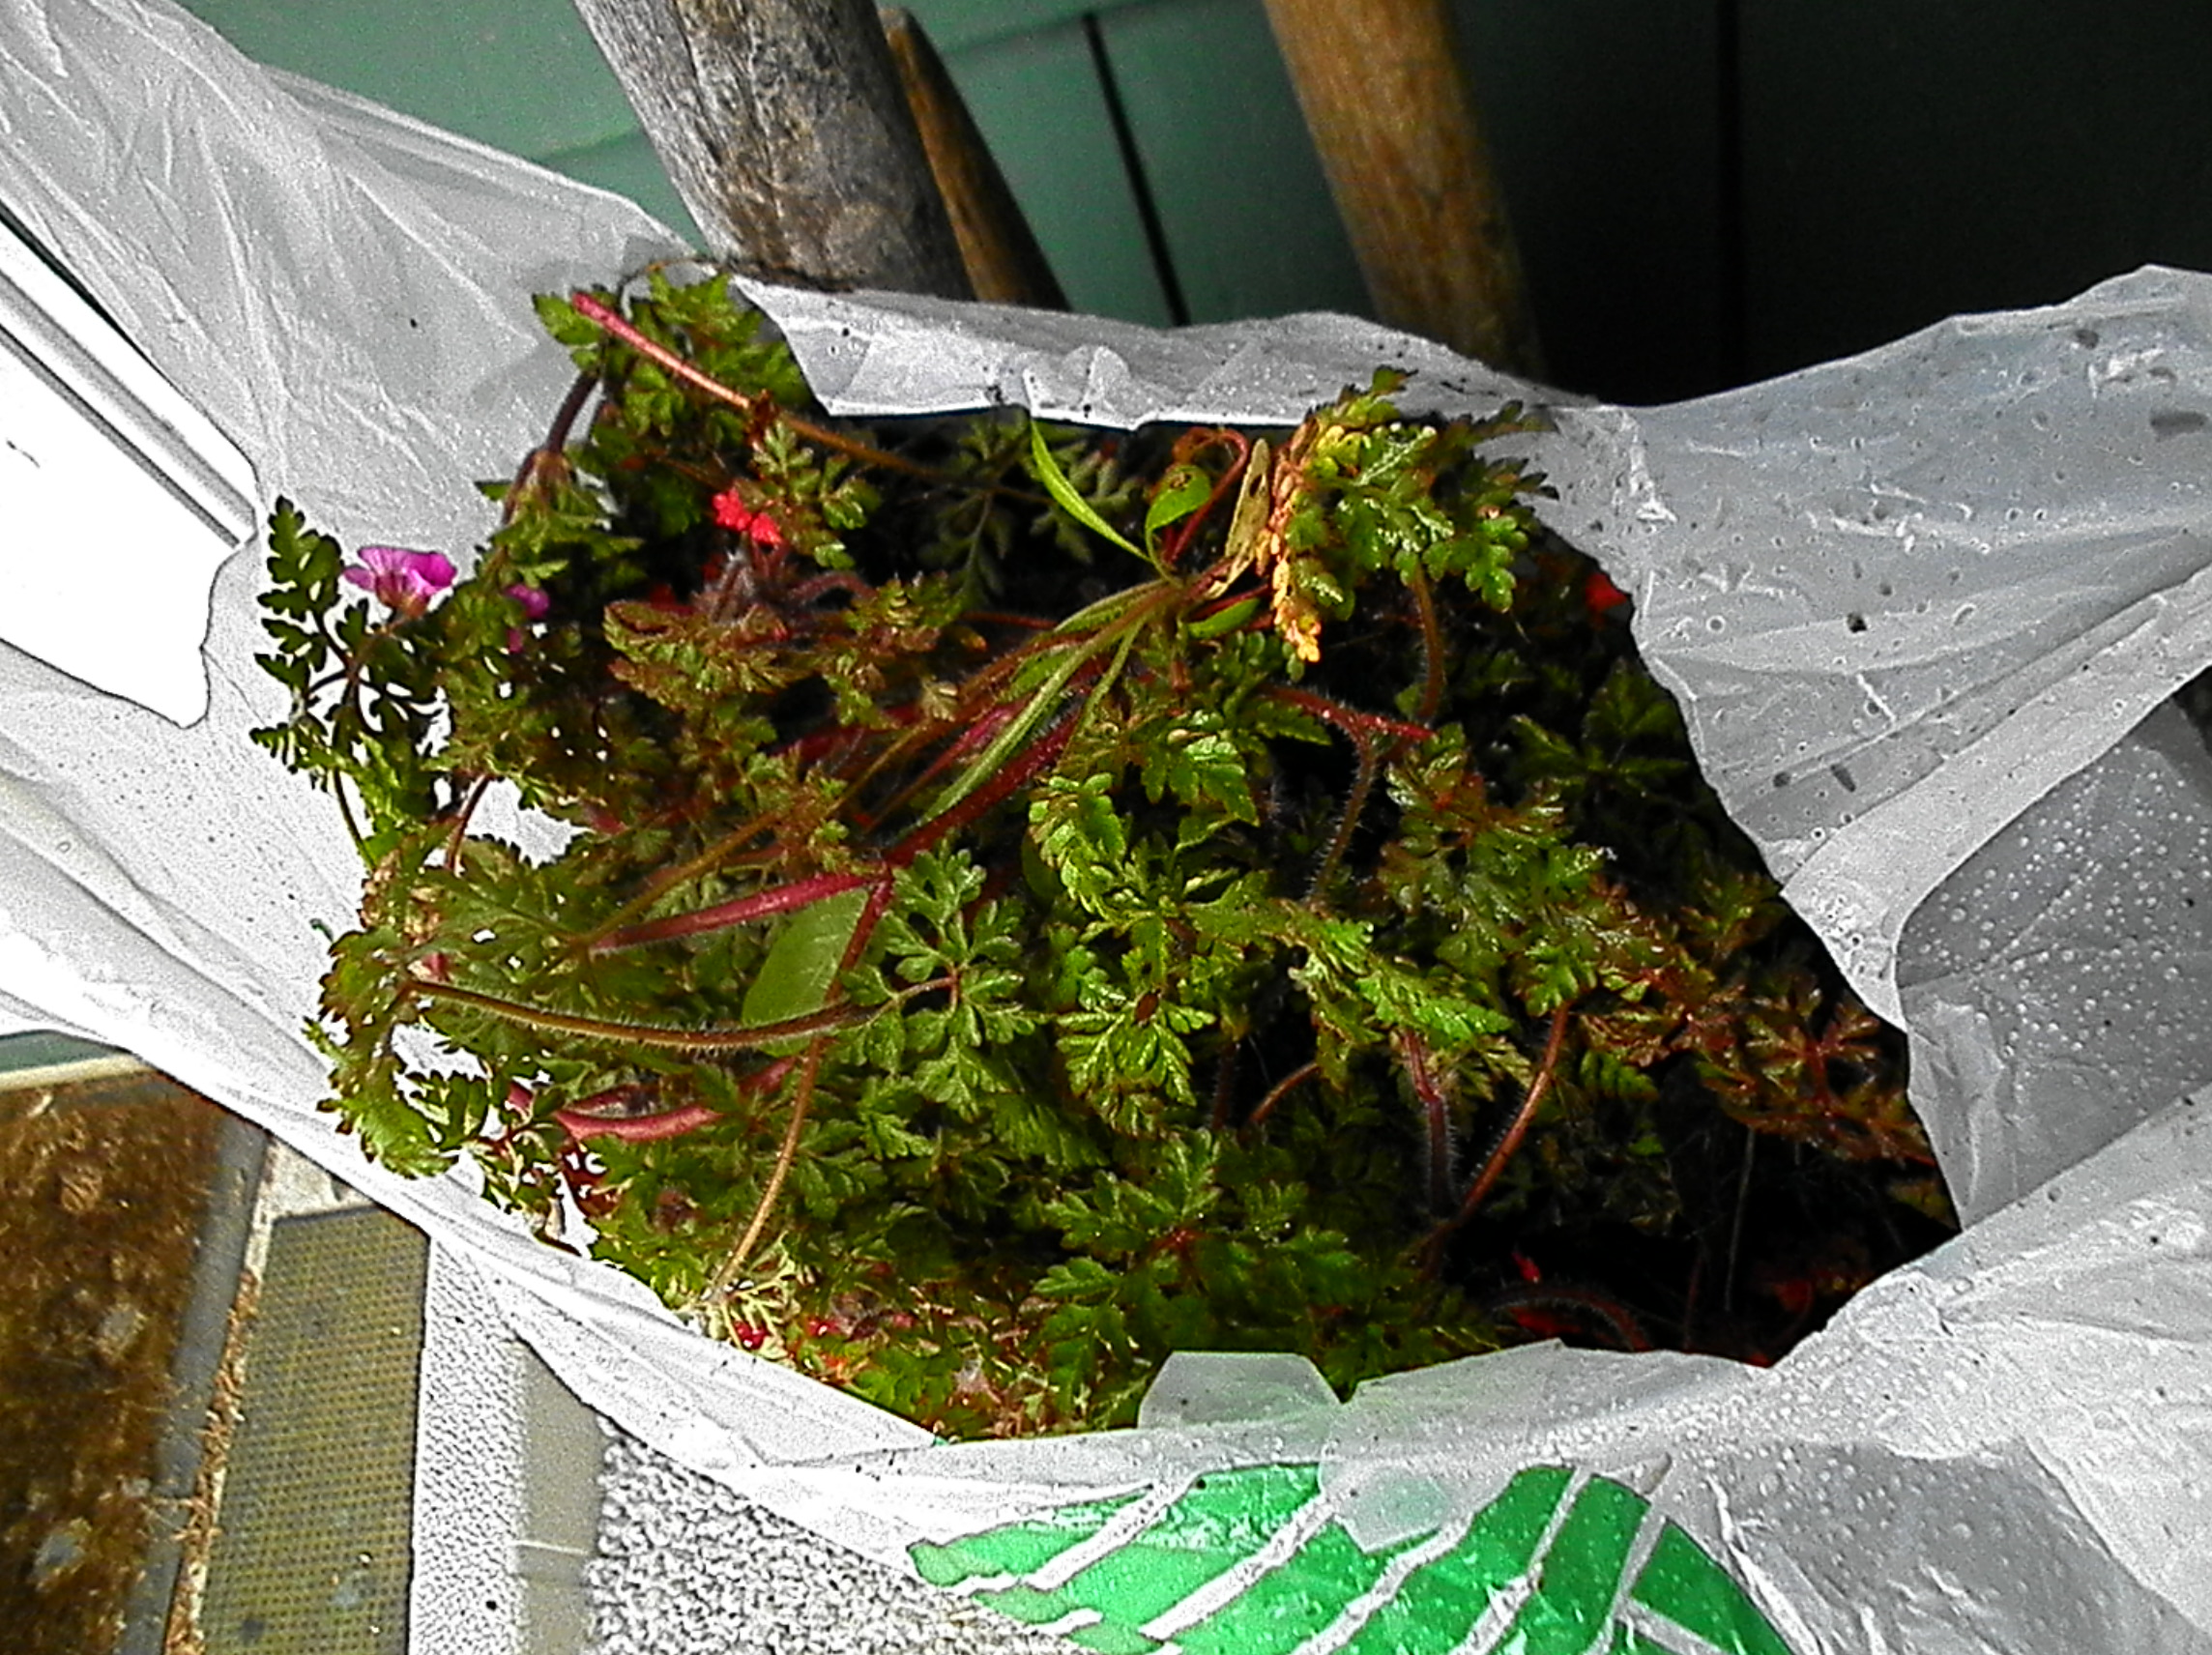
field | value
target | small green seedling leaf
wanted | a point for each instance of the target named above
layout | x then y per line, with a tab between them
801	967
1064	496
1182	491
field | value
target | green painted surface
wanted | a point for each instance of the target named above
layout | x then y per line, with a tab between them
1899	162
1036	99
956	24
1580	1572
1683	1584
1223	1518
1109	1638
1568	1584
1436	1605
1290	1604
1250	226
1017	1549
43	1048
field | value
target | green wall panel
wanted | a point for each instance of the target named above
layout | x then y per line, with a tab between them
522	75
1038	100
957	24
1241	198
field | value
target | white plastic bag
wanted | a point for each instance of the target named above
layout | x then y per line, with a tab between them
1921	609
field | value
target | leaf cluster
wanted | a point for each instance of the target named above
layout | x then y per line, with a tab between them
1043	899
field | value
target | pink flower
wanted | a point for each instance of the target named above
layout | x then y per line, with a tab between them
534	604
407	581
735	515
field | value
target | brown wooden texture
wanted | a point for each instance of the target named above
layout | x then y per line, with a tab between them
1394	121
784	127
1005	266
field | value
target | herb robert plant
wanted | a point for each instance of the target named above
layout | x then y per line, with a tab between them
1040	900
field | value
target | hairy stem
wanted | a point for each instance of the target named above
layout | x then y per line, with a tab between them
1355	724
550	456
787	1153
738	910
468	808
1432	648
580	1124
1589	1301
1281	1090
1347	818
1539	1085
668	879
1436	1119
746	1037
754	407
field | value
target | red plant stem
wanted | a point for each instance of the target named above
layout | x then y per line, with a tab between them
756	408
819	888
871	910
1281	1090
1036	756
1179	536
1436	1118
818	745
738	910
1589	1300
668	879
1206	609
579	1123
1347	819
830	580
971	741
543	459
1431	647
1358	725
1538	1086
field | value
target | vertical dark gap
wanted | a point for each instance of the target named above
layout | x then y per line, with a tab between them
1732	345
1133	164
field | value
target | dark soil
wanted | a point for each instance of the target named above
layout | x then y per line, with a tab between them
101	1190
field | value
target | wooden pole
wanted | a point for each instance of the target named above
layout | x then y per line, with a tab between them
1005	266
785	128
1393	117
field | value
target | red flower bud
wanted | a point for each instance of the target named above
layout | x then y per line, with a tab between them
1600	596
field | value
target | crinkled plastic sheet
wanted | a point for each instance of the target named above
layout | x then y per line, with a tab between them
1922	609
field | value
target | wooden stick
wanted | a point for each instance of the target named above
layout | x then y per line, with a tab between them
1005	266
1393	118
783	125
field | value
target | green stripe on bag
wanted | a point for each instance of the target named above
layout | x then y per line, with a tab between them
1550	1582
